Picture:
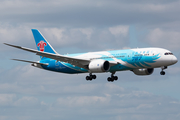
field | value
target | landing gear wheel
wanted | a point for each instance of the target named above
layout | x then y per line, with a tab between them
163	68
162	73
110	79
90	77
115	78
87	78
93	76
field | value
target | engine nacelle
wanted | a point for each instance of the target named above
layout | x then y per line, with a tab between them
144	71
99	66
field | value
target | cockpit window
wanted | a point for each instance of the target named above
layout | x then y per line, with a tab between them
168	53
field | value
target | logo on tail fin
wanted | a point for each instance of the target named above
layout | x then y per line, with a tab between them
41	45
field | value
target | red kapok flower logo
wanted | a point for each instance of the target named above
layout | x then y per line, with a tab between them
41	45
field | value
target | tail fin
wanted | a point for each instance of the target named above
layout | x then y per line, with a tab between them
41	43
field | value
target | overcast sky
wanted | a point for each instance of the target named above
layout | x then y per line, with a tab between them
73	26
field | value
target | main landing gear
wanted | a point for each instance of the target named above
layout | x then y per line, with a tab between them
163	68
112	78
90	77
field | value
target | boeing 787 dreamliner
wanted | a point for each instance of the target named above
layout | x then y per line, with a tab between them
141	61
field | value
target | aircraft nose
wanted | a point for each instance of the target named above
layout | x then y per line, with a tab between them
174	60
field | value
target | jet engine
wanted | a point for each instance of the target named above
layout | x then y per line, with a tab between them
99	66
144	71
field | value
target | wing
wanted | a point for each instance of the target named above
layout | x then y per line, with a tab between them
74	61
82	63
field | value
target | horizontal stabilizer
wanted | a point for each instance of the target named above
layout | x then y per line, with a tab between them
31	62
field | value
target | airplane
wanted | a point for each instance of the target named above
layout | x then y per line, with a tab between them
140	61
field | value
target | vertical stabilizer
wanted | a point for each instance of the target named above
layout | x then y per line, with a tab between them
41	43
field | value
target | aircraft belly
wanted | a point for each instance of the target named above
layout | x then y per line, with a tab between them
63	67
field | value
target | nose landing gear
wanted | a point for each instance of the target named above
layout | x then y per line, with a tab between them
162	73
163	68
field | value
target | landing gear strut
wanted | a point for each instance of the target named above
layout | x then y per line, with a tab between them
163	68
90	77
112	78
